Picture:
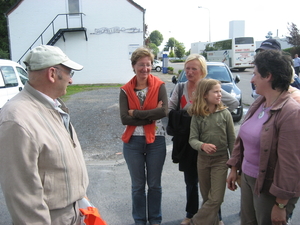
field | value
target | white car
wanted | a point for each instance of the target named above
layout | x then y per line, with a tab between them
12	80
157	65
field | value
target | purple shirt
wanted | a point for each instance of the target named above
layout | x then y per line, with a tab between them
250	134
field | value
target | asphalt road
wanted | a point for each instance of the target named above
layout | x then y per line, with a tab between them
109	187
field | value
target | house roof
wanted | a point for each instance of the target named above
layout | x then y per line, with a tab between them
137	5
11	9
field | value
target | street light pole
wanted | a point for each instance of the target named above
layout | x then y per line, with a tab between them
200	7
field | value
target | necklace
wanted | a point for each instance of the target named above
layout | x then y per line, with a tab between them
262	113
192	91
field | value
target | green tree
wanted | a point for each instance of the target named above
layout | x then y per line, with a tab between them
4	44
188	52
154	49
294	38
156	38
179	50
172	42
171	54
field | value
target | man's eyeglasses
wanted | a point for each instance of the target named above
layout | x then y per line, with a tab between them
71	73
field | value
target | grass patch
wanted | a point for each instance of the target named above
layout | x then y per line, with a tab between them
77	88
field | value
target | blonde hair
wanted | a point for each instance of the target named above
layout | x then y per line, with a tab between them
201	59
200	106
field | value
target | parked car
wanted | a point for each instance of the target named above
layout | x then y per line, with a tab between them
157	65
221	72
12	80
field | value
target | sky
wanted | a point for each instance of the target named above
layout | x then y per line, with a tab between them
187	23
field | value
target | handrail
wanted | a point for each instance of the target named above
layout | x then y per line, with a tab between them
53	29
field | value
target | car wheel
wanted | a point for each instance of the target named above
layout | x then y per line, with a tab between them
158	69
239	114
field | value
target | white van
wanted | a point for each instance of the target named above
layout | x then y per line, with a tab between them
12	80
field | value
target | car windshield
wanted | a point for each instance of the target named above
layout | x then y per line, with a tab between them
214	72
219	73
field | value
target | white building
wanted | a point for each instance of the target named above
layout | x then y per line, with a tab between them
198	47
100	35
236	28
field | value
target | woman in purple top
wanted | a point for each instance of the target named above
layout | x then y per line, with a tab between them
266	150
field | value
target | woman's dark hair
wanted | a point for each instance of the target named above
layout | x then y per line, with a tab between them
275	63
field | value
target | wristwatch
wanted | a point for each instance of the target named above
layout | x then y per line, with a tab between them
281	206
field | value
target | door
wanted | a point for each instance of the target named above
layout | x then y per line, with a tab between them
73	8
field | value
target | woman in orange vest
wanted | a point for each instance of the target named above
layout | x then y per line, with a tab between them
143	103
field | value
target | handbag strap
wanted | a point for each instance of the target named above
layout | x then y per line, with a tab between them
180	92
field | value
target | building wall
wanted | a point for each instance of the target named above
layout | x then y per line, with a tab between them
105	55
198	47
236	28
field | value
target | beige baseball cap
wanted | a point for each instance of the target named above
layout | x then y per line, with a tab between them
45	56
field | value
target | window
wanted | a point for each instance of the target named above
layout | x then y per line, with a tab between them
9	76
22	74
2	84
219	73
221	45
73	6
244	40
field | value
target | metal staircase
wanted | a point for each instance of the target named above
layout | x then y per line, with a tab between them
57	34
60	33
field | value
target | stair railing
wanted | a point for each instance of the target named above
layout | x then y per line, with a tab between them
40	37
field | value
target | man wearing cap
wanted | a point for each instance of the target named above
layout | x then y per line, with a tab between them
42	169
267	44
272	44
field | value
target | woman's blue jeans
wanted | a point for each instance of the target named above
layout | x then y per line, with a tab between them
145	163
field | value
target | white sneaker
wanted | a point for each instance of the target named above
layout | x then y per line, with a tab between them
185	221
221	223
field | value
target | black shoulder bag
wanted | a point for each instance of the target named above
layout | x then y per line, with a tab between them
170	128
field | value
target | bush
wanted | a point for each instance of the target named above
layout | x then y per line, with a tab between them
171	54
170	68
177	60
4	54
